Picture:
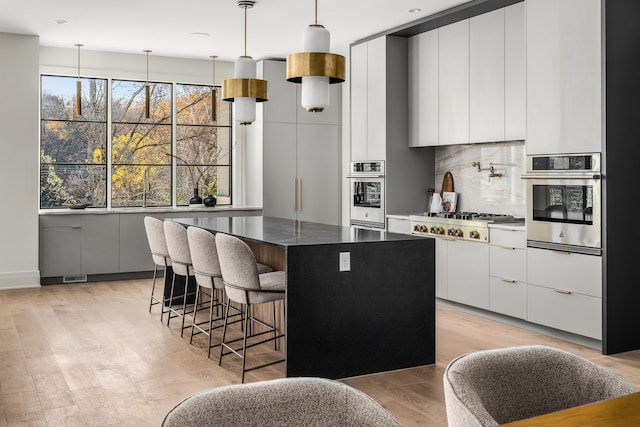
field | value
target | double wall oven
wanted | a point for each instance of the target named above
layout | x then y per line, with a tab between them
367	194
563	202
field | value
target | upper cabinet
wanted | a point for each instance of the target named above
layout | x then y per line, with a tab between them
377	66
453	93
486	77
423	96
467	80
564	112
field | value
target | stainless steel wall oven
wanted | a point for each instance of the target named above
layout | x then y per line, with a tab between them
564	202
367	194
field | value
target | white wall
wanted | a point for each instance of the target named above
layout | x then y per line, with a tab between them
19	136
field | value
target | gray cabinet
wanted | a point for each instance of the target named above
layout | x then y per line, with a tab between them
301	155
564	65
508	272
467	271
453	94
78	245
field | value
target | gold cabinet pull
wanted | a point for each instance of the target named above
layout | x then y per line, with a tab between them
505	279
562	291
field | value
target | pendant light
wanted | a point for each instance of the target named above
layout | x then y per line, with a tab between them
214	91
78	85
315	68
147	101
245	90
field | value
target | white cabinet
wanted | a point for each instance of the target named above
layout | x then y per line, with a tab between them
453	84
423	93
301	157
378	105
564	112
398	224
507	271
515	73
468	273
564	291
486	77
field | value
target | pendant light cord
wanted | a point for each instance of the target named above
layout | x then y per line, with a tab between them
79	46
316	13
245	30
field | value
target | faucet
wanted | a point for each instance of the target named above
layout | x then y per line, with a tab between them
493	173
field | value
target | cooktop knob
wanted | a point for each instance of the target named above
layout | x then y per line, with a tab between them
441	230
459	233
475	234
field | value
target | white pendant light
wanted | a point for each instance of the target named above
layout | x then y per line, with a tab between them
78	86
245	90
315	68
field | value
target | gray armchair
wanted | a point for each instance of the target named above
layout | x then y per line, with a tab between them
282	402
491	387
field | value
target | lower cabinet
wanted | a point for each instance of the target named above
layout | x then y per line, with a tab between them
73	246
508	272
398	224
564	291
77	245
468	273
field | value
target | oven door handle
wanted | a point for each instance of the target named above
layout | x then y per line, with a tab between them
567	176
365	176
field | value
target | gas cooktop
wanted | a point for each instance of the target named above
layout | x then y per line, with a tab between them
473	226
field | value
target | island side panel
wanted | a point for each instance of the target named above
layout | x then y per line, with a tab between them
377	317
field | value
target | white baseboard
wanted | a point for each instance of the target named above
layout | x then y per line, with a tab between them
19	279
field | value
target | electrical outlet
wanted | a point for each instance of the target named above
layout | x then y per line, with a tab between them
345	261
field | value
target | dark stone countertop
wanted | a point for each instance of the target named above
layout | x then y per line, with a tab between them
287	232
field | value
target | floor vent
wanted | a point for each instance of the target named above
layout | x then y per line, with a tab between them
74	279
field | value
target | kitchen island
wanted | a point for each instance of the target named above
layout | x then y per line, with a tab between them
357	301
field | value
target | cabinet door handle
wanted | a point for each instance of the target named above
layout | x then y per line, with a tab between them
76	227
504	279
299	193
561	252
562	291
508	248
451	239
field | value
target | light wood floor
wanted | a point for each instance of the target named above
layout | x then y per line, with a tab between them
92	355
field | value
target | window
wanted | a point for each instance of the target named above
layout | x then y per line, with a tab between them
73	148
140	147
143	158
202	155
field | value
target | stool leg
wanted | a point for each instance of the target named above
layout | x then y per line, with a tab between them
153	285
195	313
244	343
224	330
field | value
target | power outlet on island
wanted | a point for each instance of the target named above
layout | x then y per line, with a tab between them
345	261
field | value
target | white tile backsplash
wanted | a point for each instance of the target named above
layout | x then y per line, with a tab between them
477	192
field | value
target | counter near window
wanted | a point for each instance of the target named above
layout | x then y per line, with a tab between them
151	210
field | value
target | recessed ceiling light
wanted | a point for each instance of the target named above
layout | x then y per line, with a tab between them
197	34
60	21
414	10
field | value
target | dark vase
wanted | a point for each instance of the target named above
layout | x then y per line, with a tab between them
196	199
210	201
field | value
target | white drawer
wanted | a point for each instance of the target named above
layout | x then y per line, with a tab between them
508	263
508	297
397	225
573	272
575	313
508	238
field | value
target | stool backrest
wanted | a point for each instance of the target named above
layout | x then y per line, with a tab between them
157	242
204	257
237	264
178	246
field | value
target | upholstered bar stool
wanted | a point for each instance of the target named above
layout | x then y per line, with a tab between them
245	286
178	247
206	268
159	254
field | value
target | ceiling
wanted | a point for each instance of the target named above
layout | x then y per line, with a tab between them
201	28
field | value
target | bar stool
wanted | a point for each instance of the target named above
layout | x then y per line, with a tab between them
178	247
159	254
245	286
206	268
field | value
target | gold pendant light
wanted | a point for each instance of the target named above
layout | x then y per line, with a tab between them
147	101
245	90
78	85
214	91
315	68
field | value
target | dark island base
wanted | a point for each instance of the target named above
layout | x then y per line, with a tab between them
380	316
